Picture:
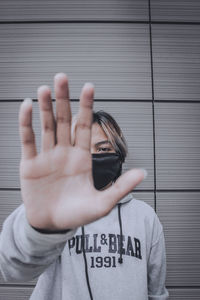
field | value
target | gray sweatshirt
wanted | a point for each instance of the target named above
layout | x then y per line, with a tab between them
120	256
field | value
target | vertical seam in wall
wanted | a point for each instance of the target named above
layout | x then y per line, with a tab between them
153	114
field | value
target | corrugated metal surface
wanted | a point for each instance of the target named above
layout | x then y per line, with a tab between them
180	215
177	131
116	56
184	294
78	10
15	293
175	10
176	61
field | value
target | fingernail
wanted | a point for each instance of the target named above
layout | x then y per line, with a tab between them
89	85
27	101
145	173
60	75
42	88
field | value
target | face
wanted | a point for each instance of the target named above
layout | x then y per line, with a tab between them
99	141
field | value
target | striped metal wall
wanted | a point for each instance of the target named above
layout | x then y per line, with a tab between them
144	60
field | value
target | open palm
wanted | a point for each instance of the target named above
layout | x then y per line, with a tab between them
56	184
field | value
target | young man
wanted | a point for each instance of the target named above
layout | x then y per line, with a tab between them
79	226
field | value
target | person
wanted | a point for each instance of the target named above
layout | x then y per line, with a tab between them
79	230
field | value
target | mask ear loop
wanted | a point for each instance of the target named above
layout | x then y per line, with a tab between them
119	173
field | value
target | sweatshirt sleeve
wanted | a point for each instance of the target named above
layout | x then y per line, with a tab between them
24	252
157	268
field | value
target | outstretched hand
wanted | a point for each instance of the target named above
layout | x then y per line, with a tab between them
57	184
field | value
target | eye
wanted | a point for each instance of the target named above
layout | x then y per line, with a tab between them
103	149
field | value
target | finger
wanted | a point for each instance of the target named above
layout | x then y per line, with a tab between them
84	119
26	131
63	110
124	185
47	118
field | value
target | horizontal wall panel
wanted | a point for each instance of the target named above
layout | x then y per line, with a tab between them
176	61
15	293
146	197
177	135
184	294
175	10
135	120
115	57
180	215
61	10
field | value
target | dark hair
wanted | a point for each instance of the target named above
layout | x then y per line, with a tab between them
112	131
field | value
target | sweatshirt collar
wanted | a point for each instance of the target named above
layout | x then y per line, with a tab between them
127	198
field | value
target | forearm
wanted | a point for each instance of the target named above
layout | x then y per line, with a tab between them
24	252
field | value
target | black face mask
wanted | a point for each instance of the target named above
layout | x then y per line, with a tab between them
106	167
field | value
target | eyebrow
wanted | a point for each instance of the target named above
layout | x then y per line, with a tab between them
103	142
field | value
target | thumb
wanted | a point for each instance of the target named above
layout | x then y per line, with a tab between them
124	185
